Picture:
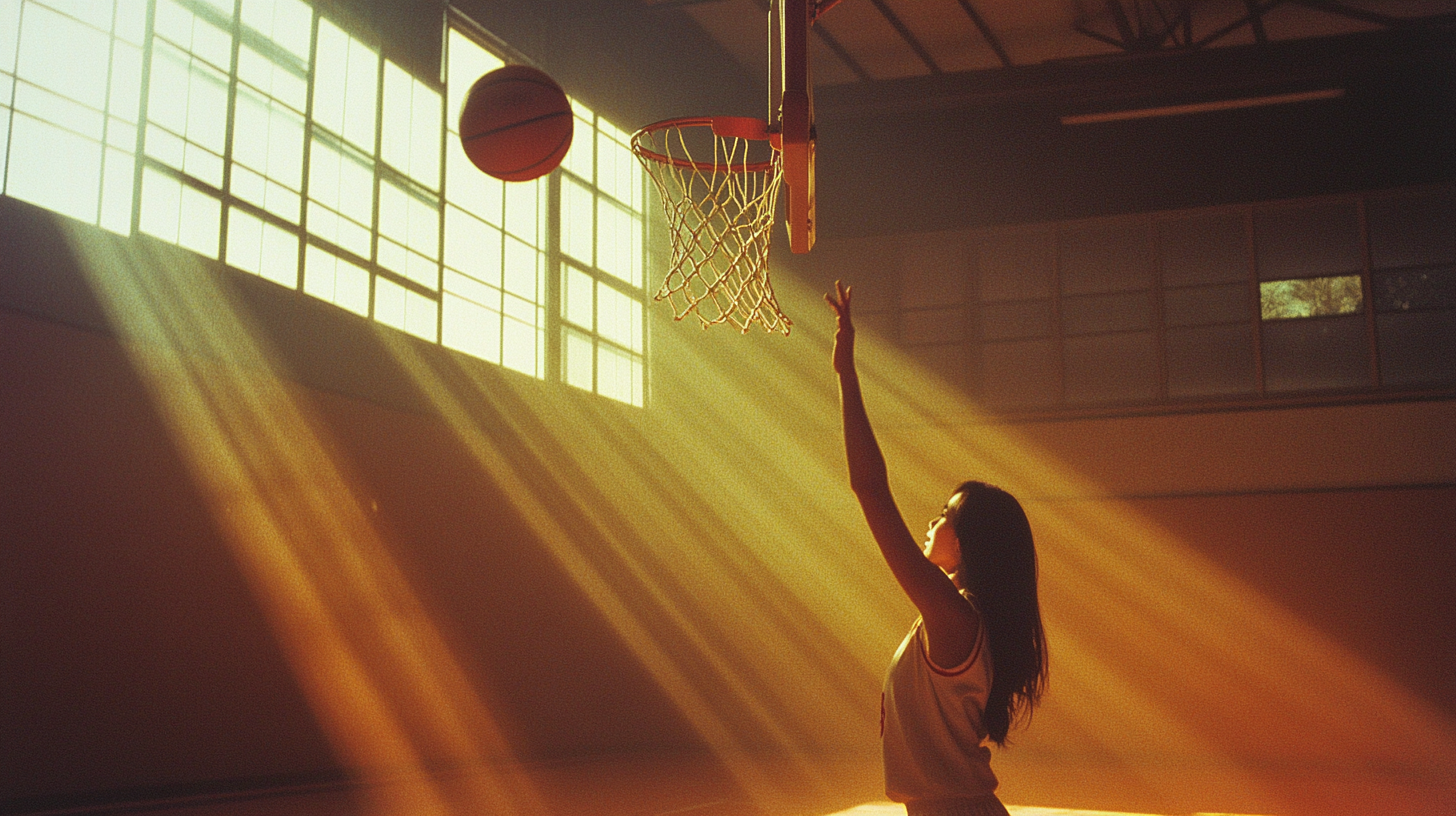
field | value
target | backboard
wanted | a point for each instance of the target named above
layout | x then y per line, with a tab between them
791	110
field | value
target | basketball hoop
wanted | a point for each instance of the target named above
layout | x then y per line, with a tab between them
720	214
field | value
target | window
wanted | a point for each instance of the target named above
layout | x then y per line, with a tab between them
1345	293
263	135
600	266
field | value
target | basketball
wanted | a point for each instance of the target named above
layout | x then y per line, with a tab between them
516	123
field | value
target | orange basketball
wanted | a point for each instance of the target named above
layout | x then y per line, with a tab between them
516	123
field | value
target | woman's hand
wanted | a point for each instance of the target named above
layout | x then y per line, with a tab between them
844	328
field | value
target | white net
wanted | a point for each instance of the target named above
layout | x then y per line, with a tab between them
720	215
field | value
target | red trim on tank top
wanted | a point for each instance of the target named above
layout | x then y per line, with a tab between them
961	669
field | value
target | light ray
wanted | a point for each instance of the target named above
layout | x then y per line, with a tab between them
391	699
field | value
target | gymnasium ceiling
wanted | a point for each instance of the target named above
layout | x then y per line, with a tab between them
877	55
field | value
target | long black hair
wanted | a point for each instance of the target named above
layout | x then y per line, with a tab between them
998	567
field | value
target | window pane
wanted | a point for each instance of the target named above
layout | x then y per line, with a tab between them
346	80
1418	348
54	168
472	328
618	375
520	344
619	242
580	158
1016	319
1023	374
1311	297
1206	305
577	221
619	317
1204	249
1211	361
64	56
578	359
523	215
523	270
1092	314
1109	259
1309	240
1017	267
410	141
1302	355
1412	229
333	279
472	246
1111	368
256	246
579	298
466	62
180	214
288	23
1415	290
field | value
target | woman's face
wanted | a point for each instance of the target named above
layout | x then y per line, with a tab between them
942	546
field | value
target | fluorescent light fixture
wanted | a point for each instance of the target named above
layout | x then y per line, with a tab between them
1203	107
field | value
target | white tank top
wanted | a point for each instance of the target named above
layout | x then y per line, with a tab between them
932	728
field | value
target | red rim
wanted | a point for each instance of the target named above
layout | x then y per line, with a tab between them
741	127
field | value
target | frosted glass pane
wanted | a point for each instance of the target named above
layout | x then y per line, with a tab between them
423	235
199	224
167	102
64	55
1204	249
335	280
9	36
1111	368
1017	267
1308	240
1301	355
466	186
523	214
346	86
619	317
287	23
578	360
59	111
262	248
471	328
1413	228
288	85
578	297
618	238
118	180
1211	361
393	211
1417	348
618	173
54	168
519	347
615	372
131	20
95	12
1013	320
580	157
1206	305
472	289
1092	314
1021	374
1311	297
389	303
161	198
467	62
577	219
472	246
523	270
1109	259
125	99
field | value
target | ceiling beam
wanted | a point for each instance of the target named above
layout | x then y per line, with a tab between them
986	32
1164	77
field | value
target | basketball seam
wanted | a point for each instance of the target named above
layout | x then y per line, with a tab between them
543	117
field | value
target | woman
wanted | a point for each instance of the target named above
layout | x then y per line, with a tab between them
976	661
